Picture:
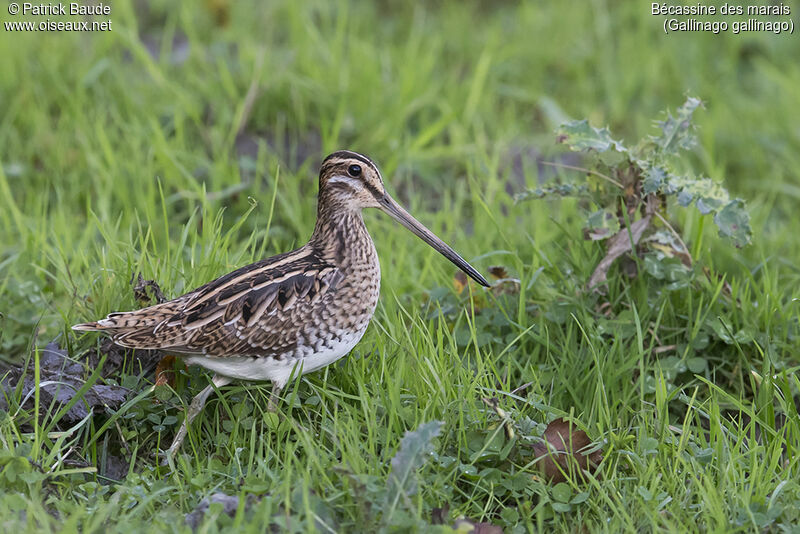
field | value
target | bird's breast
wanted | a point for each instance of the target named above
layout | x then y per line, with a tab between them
338	321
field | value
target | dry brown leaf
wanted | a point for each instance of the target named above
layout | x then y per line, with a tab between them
140	288
605	309
165	372
498	272
460	281
118	357
220	10
621	243
618	244
509	286
230	505
469	526
60	379
561	451
439	515
503	284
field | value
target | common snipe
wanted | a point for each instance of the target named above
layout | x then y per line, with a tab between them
294	312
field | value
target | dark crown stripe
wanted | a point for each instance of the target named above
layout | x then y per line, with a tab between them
346	154
341	157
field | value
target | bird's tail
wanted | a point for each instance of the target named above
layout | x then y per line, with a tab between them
89	327
147	328
118	322
115	321
102	324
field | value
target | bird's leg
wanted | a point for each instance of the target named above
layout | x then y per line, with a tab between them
272	405
195	408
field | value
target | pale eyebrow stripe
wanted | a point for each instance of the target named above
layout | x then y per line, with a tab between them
355	184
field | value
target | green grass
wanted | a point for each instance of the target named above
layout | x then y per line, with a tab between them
120	157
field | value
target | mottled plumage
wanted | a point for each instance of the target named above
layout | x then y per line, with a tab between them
294	312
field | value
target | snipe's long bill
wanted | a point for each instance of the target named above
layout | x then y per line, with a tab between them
292	313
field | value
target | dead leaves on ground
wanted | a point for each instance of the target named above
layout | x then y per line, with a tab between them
501	284
626	192
463	525
165	372
141	287
460	282
230	504
61	379
468	526
621	243
566	449
511	457
562	450
78	387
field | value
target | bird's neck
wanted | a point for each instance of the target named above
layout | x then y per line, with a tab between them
340	233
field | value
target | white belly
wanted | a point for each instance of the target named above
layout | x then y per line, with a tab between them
276	371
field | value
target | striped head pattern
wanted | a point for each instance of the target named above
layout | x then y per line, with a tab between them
351	179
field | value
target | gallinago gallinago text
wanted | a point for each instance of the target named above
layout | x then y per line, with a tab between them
304	309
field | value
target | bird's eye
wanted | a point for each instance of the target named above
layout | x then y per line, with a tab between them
354	170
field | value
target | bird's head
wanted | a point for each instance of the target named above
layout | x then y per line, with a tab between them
349	180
